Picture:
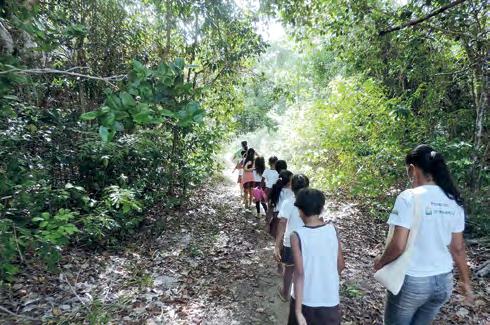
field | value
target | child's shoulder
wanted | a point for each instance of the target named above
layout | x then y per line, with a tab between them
288	203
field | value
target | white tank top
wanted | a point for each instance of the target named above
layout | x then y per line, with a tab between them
319	249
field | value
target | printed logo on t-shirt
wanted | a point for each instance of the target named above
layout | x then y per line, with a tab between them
441	208
428	210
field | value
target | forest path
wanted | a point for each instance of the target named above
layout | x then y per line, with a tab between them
208	263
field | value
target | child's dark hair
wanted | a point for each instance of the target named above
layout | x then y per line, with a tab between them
298	182
244	145
250	155
310	201
259	165
272	160
432	164
284	178
281	165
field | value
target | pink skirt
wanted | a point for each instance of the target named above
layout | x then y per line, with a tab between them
248	177
259	194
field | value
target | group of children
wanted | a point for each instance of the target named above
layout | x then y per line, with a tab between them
307	249
426	226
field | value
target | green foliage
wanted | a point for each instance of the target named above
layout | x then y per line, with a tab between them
83	156
53	232
150	97
9	243
98	313
351	290
140	277
56	229
429	86
350	140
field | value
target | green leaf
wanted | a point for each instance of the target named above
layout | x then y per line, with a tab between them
142	117
119	126
193	107
109	119
166	112
113	101
198	118
179	63
76	30
127	99
88	116
104	133
121	115
138	66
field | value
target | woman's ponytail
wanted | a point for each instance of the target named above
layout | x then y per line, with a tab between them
284	178
432	163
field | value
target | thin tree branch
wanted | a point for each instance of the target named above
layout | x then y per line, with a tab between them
76	68
109	80
418	21
17	243
5	310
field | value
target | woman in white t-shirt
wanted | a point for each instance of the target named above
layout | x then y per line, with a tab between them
289	221
438	243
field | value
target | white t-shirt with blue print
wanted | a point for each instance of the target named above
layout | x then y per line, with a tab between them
440	218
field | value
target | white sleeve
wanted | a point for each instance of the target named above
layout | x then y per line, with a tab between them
401	215
284	210
458	224
265	175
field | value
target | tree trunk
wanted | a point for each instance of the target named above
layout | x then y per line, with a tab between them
81	59
480	91
174	159
168	29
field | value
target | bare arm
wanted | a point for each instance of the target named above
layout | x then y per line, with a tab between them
281	228
340	259
394	249
298	278
458	251
249	167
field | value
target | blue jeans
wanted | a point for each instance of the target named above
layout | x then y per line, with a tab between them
419	300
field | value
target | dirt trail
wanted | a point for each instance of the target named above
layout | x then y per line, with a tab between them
209	263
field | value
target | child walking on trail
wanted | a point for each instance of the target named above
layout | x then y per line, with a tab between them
281	165
248	179
270	175
318	262
238	159
281	191
258	192
270	178
289	221
276	168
